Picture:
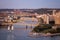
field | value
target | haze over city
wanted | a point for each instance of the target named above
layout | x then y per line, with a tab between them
30	4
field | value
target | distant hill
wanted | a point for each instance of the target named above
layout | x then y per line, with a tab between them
6	9
39	11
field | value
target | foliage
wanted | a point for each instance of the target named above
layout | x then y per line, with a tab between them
46	28
42	27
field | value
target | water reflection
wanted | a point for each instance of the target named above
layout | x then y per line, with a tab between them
10	36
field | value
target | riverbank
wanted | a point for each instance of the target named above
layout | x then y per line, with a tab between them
45	30
32	34
9	23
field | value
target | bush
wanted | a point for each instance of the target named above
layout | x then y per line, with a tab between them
58	30
45	28
51	31
42	27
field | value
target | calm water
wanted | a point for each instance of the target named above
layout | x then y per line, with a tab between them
21	33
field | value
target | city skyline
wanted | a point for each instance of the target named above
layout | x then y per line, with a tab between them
29	4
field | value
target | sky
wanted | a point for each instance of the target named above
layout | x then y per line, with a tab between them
30	4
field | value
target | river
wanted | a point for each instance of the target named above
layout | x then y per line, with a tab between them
20	32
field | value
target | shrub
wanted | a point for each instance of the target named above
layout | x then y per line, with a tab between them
42	27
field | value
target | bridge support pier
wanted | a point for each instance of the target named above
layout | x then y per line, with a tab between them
10	27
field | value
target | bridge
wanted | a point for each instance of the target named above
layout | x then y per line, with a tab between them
10	26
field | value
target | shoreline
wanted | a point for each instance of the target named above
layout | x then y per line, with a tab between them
32	34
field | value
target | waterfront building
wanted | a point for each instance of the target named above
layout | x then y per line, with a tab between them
57	17
2	17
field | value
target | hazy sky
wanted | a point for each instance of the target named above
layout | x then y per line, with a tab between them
19	4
